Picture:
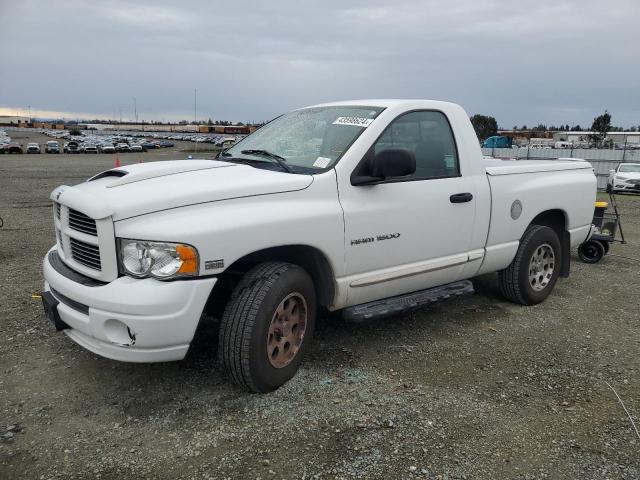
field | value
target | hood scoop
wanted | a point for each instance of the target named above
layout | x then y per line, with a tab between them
145	171
108	173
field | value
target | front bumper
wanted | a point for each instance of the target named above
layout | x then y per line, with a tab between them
128	319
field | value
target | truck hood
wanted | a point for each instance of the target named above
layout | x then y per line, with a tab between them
143	188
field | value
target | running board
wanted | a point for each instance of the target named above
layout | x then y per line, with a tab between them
406	303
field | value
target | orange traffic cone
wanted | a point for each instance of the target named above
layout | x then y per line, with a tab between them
117	163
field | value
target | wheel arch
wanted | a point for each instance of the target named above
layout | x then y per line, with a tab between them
311	259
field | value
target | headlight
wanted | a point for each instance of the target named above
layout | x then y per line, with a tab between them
140	258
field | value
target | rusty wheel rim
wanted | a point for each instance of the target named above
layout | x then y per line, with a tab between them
287	329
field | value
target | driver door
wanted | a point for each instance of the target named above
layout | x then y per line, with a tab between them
410	233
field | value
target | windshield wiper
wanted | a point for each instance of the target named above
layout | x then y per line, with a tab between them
281	161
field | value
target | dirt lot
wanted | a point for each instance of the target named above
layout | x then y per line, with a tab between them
476	388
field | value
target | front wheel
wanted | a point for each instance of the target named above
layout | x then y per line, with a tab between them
533	273
267	326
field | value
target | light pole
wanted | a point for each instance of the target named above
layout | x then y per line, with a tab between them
195	102
135	109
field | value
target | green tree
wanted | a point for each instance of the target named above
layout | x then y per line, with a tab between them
484	126
600	126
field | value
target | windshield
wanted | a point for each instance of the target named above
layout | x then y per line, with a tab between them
306	141
633	168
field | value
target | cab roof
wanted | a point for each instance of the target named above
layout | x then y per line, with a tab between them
386	103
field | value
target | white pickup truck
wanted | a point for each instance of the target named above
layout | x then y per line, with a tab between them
371	207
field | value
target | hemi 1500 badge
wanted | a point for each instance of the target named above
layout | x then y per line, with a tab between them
377	238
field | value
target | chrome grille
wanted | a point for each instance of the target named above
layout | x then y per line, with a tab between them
85	253
57	210
60	242
81	223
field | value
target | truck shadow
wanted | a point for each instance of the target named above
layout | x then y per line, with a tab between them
140	390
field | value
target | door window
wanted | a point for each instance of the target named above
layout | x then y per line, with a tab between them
428	135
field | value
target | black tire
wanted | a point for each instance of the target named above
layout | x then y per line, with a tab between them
514	280
244	330
609	188
591	251
606	246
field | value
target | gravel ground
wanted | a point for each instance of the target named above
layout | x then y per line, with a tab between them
474	388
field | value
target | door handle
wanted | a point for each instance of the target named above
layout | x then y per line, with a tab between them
461	197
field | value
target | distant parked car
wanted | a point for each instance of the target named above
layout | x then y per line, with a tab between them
14	148
225	142
52	147
90	149
149	145
33	148
72	147
123	147
3	148
166	144
624	178
136	147
107	148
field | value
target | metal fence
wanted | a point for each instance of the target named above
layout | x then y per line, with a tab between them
602	160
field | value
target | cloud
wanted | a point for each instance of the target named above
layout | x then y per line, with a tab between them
523	62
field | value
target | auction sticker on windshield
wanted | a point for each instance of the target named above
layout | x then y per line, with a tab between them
355	121
322	162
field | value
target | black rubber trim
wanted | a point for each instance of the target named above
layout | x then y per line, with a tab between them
80	307
60	267
565	242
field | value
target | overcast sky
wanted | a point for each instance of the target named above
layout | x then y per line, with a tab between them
523	62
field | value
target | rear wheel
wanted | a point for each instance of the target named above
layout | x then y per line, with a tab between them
267	326
534	271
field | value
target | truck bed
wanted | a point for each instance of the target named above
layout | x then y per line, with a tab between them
522	188
495	166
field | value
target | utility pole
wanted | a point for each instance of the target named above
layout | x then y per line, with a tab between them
195	100
29	113
135	109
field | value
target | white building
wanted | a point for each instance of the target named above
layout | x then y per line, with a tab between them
618	138
13	120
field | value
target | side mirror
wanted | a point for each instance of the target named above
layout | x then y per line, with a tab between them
391	163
